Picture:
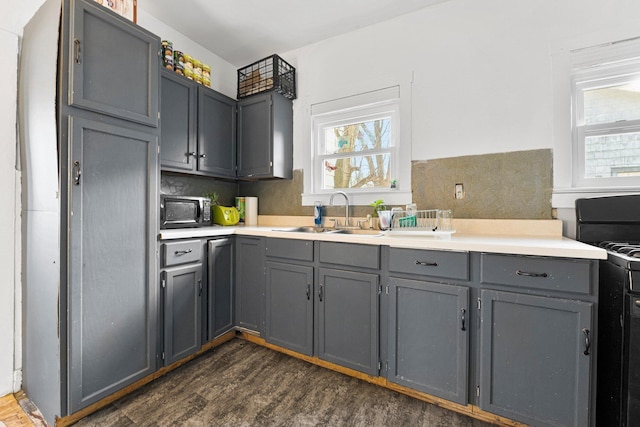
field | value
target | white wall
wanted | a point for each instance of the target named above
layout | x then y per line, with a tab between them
482	70
223	74
13	18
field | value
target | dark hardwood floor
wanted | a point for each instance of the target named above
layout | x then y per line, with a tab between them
243	384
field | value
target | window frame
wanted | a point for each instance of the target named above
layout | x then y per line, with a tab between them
368	112
353	95
595	77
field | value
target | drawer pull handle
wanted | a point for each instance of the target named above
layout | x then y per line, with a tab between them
77	172
587	342
192	153
463	319
528	274
320	293
427	264
76	51
308	291
188	251
199	288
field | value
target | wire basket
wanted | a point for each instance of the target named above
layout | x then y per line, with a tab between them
418	220
270	73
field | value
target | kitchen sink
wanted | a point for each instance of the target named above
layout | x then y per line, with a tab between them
325	230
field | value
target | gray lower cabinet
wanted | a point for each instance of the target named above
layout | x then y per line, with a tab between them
429	345
182	318
112	274
289	314
536	351
113	64
220	273
289	294
347	307
250	275
181	280
265	136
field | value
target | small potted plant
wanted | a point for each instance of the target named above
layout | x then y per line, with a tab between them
377	205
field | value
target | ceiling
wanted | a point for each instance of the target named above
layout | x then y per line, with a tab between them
244	31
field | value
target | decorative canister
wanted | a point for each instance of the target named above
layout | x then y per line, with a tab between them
178	62
188	63
167	54
240	206
197	71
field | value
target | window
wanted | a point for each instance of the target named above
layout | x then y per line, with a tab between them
606	115
356	148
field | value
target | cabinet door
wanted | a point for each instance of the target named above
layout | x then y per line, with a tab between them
113	291
535	358
255	148
178	102
216	133
220	307
429	337
348	319
289	321
250	283
182	315
113	65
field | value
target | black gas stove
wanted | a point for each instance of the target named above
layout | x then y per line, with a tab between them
613	223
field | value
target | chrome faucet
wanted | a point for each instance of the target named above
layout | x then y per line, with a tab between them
346	206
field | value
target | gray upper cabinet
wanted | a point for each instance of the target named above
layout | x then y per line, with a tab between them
265	137
216	134
178	106
250	283
198	128
113	276
113	65
535	358
221	263
429	345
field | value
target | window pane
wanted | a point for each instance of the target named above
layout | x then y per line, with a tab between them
612	155
357	137
357	172
612	104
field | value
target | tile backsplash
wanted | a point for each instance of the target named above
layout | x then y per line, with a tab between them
515	185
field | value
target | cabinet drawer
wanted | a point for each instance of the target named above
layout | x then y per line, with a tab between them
549	274
301	250
349	254
446	264
176	253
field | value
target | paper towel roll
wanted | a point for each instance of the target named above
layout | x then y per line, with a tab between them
251	211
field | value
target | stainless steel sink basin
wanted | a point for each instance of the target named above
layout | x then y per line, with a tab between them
310	229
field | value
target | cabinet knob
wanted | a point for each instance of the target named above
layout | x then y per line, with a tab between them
202	156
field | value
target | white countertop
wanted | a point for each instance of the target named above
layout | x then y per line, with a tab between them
555	246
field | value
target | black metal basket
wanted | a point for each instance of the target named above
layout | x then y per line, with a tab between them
270	73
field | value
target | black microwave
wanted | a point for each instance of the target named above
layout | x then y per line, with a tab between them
184	211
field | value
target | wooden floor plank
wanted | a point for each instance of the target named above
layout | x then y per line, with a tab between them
11	414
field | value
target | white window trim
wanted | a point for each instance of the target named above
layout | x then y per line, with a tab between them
565	192
370	97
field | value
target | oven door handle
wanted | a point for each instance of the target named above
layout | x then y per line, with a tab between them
587	342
